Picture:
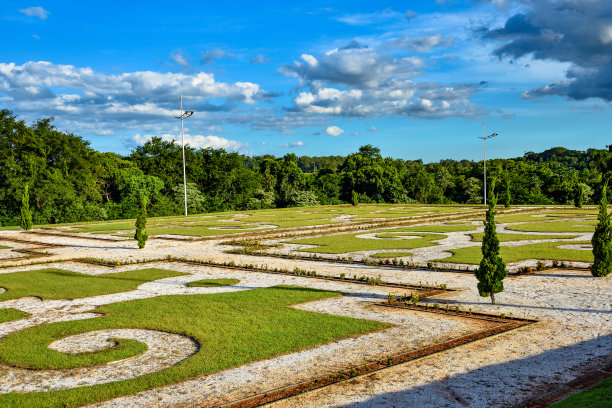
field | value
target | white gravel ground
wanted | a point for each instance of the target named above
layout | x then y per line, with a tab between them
574	334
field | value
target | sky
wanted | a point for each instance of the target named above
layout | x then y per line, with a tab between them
418	79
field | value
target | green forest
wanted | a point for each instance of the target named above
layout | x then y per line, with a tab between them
71	182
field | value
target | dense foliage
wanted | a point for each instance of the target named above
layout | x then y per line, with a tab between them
492	269
602	239
69	181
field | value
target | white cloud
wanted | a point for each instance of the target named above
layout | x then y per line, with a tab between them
334	131
291	144
421	44
36	12
195	141
210	56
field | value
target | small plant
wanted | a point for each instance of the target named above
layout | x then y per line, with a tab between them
443	286
540	266
390	298
436	306
430	265
415	299
343	276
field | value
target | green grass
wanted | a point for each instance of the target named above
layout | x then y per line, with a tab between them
390	254
543	251
441	228
555	226
507	237
6	315
599	396
232	329
206	283
60	284
4	247
342	243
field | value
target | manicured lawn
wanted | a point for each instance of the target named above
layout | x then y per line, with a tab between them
342	243
385	255
441	228
555	226
506	237
6	315
60	284
232	329
206	283
543	251
599	396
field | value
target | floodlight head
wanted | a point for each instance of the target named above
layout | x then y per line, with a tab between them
185	115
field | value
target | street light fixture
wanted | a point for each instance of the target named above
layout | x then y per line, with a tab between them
184	115
484	145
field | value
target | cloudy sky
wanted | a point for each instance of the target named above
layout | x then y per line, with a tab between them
415	78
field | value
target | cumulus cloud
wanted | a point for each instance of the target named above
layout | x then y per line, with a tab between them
358	81
38	12
291	144
82	89
421	44
334	131
575	32
353	66
195	141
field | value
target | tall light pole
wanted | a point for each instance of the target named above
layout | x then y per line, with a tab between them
484	145
182	117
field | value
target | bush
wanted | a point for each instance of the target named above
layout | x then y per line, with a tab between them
141	223
602	239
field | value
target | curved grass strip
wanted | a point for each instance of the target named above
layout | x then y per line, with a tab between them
542	251
391	254
555	226
6	315
60	284
4	247
342	243
231	328
211	283
440	228
507	237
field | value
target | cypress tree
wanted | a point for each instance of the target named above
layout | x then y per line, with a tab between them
354	199
26	215
602	251
141	223
507	196
579	195
492	269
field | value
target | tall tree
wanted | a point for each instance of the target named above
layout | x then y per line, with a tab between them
141	223
602	239
492	269
579	195
26	215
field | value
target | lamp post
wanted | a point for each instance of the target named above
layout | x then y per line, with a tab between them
484	145
183	116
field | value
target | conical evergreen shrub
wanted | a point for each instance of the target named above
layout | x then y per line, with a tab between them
602	250
26	215
492	269
141	223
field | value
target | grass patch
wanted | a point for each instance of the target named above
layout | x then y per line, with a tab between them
209	283
390	254
556	226
441	228
599	396
4	247
6	315
339	244
60	284
543	251
232	329
507	237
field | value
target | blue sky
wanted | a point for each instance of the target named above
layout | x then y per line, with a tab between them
415	78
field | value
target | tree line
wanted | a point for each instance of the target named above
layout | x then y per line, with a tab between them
69	181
